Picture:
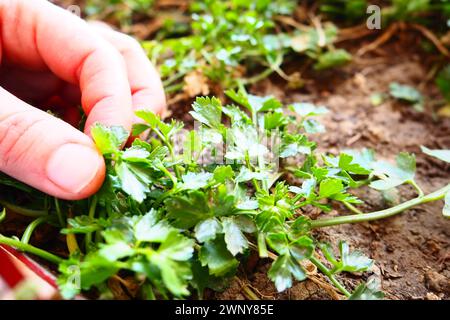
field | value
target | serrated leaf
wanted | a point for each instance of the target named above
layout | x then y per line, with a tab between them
393	176
194	181
187	211
282	271
368	291
223	173
177	247
353	261
133	180
108	140
216	256
207	230
150	228
330	187
208	111
234	238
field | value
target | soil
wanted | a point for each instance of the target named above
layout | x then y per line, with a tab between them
412	249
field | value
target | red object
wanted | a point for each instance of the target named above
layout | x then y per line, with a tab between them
10	273
8	270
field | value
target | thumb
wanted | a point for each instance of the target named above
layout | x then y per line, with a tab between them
47	153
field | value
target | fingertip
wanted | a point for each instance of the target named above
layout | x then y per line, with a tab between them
76	170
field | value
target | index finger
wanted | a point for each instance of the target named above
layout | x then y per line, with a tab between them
39	35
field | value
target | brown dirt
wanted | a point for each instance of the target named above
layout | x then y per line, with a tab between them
411	250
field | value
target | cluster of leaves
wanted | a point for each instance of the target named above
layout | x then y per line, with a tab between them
183	220
234	39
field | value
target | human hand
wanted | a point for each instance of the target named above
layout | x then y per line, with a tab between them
46	51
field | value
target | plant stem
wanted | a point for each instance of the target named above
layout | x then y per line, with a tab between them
352	208
258	77
171	151
416	186
59	213
24	211
437	195
262	246
31	227
92	208
247	291
30	249
2	215
331	276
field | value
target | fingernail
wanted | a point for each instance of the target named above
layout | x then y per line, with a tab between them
73	166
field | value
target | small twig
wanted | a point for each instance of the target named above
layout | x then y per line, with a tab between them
380	40
430	36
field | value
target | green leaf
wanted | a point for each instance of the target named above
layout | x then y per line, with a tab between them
446	209
404	92
347	163
108	140
216	256
368	291
187	211
177	247
365	158
208	111
133	180
149	117
207	230
150	228
308	109
393	176
331	59
408	94
194	181
443	155
353	261
223	173
330	187
283	269
313	126
115	251
234	238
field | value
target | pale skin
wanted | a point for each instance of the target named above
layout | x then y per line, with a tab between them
46	51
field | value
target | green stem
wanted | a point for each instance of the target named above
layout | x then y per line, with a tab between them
30	249
416	186
31	227
59	213
169	175
437	195
3	215
262	246
352	208
258	77
92	209
330	276
23	211
171	151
